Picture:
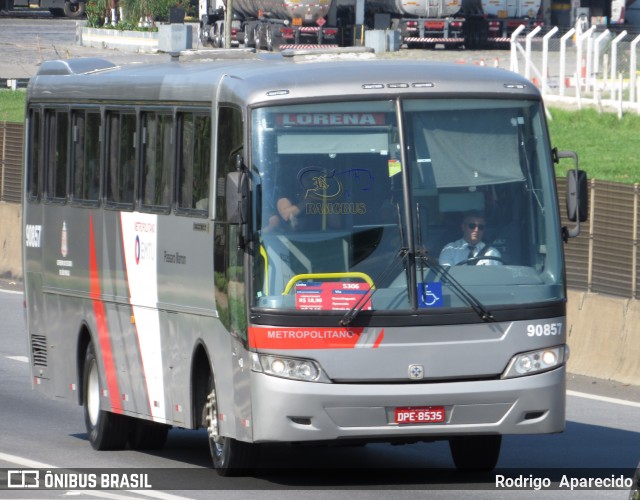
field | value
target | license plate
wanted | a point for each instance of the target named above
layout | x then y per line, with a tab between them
420	415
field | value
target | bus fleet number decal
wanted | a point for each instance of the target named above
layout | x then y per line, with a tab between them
544	330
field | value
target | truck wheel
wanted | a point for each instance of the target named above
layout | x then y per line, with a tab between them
257	37
74	10
204	35
475	453
274	40
218	37
249	40
106	430
230	457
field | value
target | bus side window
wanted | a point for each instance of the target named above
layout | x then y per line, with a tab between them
56	154
194	158
85	159
121	159
157	158
35	155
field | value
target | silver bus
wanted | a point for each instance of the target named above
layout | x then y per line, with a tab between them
254	247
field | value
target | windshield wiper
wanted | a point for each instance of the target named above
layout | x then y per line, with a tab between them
378	278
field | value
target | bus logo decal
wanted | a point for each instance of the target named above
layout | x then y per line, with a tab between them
137	249
416	372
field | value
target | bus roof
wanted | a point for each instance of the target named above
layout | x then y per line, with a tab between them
263	79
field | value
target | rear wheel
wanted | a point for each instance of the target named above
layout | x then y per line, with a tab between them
475	453
106	430
230	457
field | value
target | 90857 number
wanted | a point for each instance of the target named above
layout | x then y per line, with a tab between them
544	330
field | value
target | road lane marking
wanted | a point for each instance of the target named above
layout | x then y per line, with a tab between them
22	359
604	399
14	292
25	462
116	496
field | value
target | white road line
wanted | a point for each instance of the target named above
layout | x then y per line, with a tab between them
25	462
116	496
11	291
604	399
22	359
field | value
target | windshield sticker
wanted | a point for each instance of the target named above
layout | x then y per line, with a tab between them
395	167
330	296
325	192
430	294
329	119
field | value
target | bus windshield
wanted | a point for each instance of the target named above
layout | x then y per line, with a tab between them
425	202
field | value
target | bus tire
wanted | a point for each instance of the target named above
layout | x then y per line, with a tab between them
106	430
147	435
475	453
230	457
74	10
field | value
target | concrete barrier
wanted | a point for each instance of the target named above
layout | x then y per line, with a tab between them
11	240
604	337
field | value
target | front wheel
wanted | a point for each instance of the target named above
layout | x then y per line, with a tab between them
475	453
230	457
106	430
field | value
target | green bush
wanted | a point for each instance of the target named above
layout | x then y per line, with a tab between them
134	10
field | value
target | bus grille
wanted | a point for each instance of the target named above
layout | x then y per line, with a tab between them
39	350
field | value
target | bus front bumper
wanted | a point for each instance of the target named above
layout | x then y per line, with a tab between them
285	410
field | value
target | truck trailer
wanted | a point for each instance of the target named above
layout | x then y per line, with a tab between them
270	25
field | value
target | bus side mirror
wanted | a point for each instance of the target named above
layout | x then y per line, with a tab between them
577	196
237	202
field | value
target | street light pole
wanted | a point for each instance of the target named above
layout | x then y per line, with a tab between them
228	16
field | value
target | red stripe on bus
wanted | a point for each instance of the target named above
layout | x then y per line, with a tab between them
101	324
378	341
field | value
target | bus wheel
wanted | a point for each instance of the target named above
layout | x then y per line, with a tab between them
74	10
147	435
475	453
230	457
106	430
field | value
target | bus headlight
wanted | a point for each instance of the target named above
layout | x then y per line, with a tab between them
528	363
291	368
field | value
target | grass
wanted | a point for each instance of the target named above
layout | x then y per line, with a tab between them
12	105
606	146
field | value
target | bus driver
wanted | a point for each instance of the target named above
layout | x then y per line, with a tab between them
470	249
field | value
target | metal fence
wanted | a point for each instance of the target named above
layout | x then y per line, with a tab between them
605	257
11	146
595	67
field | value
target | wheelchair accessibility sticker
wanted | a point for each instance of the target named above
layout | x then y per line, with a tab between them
430	294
